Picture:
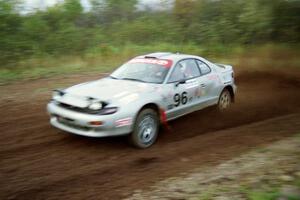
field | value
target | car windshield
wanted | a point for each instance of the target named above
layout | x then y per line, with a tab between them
143	70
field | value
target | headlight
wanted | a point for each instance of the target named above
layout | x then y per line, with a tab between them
95	106
57	94
103	111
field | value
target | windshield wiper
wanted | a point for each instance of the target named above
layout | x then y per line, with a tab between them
133	79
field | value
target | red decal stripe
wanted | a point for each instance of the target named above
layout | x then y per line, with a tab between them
163	62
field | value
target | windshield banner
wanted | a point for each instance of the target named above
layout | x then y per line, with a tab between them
163	62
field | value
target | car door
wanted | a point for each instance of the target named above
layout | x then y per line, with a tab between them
183	82
209	81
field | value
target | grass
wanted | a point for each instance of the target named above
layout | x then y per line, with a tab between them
107	58
272	192
259	195
47	67
297	182
207	195
267	195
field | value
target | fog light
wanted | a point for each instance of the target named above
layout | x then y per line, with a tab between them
96	123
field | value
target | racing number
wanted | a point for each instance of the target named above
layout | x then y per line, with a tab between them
180	99
177	99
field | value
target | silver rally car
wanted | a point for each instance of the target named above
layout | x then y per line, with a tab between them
140	95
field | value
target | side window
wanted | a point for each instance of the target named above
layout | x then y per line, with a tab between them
185	69
204	68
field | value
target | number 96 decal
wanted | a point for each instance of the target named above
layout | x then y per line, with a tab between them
180	99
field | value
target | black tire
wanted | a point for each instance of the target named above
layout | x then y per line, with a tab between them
225	101
145	130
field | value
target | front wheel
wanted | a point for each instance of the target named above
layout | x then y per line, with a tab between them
224	101
145	129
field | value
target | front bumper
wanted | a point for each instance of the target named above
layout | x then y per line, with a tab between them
79	123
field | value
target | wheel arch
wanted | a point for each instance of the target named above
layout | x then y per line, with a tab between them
231	91
152	106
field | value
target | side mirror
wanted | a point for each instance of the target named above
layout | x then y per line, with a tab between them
182	81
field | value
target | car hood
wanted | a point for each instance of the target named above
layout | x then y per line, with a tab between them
109	90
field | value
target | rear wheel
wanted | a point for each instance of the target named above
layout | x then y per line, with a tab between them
145	129
224	101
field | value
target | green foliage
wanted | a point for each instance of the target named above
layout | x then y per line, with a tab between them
114	27
263	195
72	9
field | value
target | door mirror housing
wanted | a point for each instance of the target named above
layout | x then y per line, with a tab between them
182	81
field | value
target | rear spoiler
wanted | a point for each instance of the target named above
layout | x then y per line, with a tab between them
224	68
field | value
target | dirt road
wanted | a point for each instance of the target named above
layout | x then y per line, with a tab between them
41	162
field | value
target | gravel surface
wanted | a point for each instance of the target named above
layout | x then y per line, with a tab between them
273	170
38	161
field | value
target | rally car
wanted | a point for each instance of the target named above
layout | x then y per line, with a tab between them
140	95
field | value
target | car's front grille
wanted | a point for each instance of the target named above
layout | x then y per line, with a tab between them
76	126
73	108
83	110
69	123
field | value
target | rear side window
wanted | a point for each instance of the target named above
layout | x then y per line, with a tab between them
204	68
185	69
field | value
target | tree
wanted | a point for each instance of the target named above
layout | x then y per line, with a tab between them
11	45
119	10
72	9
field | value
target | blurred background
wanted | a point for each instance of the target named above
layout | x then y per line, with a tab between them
65	42
41	38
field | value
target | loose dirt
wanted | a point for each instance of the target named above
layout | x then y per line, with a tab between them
38	161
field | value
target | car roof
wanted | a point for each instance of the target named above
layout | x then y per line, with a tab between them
168	55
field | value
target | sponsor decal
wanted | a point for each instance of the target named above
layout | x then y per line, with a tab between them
123	122
213	77
171	106
198	92
163	62
191	84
